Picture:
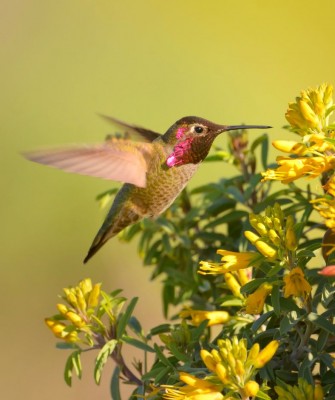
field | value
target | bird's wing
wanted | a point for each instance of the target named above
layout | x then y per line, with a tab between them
131	131
118	160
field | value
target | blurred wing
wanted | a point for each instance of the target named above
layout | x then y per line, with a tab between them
118	160
132	131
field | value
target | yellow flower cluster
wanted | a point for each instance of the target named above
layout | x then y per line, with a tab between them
291	169
326	208
311	109
309	116
302	391
232	367
275	235
75	317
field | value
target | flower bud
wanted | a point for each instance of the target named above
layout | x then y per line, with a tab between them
251	389
208	359
80	300
251	236
221	372
265	249
75	319
93	298
62	308
253	352
266	354
318	392
233	285
273	236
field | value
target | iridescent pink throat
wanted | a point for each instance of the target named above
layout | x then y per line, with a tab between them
179	150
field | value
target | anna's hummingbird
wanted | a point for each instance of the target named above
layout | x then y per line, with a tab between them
154	170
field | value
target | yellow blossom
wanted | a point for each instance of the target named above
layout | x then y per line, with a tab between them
195	389
60	330
213	317
290	146
265	355
255	301
231	261
251	389
291	240
265	249
318	392
311	110
291	169
326	208
329	187
233	284
296	284
235	366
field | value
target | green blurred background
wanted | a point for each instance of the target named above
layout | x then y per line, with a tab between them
149	62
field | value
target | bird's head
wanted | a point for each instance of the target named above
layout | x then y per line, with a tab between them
192	138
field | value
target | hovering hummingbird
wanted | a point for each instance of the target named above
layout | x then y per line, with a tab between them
154	170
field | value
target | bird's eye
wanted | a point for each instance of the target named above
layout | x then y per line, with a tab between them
198	129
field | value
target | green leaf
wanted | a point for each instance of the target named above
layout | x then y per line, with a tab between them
160	329
263	141
275	299
178	354
168	296
135	326
305	370
115	384
123	321
162	357
67	346
261	320
251	286
322	340
109	192
102	358
262	395
236	215
322	323
73	364
328	360
137	343
157	370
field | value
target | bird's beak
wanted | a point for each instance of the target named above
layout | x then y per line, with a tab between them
235	127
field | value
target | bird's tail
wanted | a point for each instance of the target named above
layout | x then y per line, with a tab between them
111	227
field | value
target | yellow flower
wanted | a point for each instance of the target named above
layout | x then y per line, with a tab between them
290	146
251	389
231	261
213	317
329	187
233	285
296	284
318	392
265	355
235	366
311	110
265	249
255	301
60	331
326	208
291	169
195	389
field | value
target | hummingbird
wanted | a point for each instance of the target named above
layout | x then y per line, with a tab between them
154	169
